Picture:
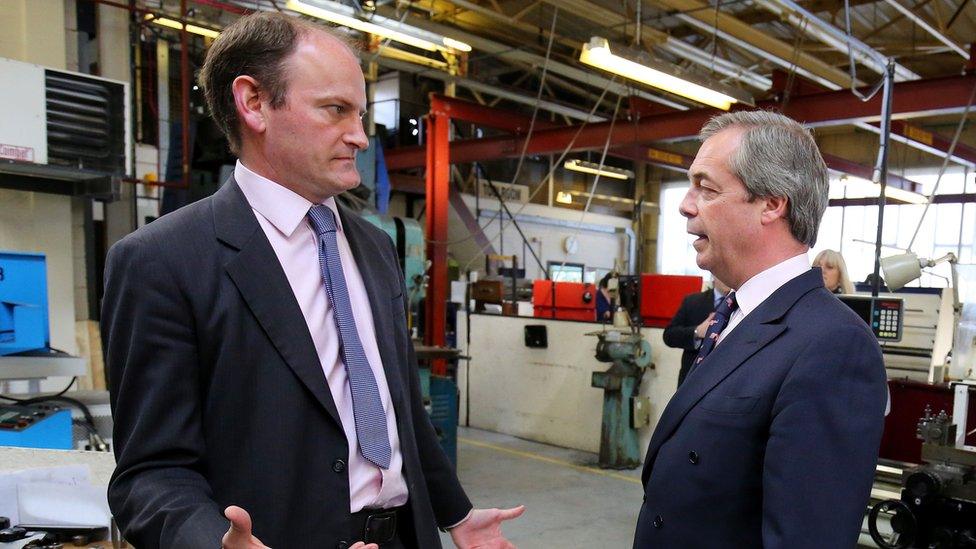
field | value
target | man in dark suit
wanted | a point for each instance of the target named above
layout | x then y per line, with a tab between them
688	326
264	386
772	439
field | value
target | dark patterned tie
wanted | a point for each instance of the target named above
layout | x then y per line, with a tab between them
367	407
723	313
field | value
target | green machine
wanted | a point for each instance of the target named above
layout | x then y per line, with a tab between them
624	411
408	236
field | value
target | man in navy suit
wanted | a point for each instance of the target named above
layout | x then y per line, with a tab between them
772	439
264	386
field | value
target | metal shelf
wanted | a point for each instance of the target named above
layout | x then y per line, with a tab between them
28	176
40	367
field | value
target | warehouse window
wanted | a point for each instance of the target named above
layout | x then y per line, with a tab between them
675	254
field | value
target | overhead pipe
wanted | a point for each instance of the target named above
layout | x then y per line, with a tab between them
786	64
918	20
807	22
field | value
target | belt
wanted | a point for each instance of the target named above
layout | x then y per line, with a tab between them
380	525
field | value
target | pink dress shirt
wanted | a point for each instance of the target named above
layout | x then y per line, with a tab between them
282	215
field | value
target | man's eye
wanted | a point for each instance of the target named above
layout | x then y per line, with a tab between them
338	109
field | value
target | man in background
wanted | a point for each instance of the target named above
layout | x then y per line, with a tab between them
688	326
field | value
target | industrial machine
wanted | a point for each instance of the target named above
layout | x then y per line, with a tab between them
624	411
23	303
408	236
39	425
937	508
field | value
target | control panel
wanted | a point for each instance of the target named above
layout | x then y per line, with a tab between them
884	314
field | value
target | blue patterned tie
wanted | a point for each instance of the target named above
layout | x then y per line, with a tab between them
723	313
367	408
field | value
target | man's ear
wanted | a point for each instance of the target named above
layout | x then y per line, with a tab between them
248	100
776	207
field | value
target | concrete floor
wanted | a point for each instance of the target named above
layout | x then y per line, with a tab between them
570	502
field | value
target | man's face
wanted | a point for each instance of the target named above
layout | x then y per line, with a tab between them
719	212
311	141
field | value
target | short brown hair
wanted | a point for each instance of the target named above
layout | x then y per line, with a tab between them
256	45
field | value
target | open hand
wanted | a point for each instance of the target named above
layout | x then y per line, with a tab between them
239	535
483	529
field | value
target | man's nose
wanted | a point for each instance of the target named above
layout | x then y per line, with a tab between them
687	207
357	135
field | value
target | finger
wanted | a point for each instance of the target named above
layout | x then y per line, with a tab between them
361	545
240	520
508	514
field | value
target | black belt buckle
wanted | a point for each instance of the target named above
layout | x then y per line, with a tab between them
381	527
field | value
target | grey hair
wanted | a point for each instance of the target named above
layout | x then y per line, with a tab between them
778	157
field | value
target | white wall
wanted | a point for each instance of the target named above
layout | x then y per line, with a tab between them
545	394
597	249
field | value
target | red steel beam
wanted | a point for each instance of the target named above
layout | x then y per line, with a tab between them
491	117
914	98
843	165
438	179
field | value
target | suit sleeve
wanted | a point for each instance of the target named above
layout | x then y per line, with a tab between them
680	333
157	493
447	497
823	442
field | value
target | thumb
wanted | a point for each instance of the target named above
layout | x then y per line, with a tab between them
240	522
509	514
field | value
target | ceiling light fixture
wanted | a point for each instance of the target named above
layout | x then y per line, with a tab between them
174	24
340	14
564	197
596	169
596	53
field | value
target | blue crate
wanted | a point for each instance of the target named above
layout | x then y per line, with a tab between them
23	303
444	414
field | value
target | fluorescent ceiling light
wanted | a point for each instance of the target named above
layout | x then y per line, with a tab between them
856	187
564	198
596	53
340	14
174	24
595	169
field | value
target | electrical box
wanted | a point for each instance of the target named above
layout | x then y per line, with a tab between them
573	300
60	118
661	296
23	303
35	426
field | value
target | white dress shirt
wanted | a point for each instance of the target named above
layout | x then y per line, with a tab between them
282	216
758	288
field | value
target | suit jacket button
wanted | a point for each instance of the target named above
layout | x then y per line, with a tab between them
693	457
338	466
342	545
658	521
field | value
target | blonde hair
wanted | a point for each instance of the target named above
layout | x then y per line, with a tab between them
834	259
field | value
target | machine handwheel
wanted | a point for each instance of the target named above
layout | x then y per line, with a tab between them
904	526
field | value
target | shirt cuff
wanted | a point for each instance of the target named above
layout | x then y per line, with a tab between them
460	522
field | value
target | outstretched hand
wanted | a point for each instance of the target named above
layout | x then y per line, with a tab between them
483	529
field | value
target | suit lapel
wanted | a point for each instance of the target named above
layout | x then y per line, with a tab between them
258	275
377	281
756	331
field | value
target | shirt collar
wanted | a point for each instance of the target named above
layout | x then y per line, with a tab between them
755	290
282	207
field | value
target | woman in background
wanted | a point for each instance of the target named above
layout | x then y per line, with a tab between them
834	271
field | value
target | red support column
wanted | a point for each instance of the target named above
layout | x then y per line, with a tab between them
437	183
